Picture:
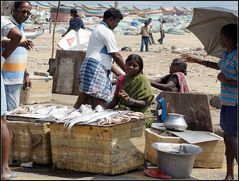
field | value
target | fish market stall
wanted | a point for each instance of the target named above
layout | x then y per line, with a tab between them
96	141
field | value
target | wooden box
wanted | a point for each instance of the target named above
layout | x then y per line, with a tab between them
108	150
30	141
212	155
40	92
65	72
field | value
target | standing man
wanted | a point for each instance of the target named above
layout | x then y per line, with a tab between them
75	22
145	32
95	83
161	30
15	37
14	68
228	77
151	34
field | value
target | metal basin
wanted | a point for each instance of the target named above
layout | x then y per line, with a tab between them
175	159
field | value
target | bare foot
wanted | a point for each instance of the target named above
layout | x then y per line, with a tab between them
228	177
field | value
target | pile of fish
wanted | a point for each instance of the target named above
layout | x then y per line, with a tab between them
85	115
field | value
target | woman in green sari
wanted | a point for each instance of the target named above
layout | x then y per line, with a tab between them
133	90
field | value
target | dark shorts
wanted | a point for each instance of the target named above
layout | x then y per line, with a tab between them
228	120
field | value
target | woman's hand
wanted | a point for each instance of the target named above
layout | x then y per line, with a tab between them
123	95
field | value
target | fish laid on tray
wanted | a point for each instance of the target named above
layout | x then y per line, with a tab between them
71	116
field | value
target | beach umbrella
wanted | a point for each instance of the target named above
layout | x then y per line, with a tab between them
206	25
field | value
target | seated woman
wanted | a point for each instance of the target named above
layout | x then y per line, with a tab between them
175	81
133	90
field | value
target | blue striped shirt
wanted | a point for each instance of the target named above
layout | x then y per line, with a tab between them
14	66
228	66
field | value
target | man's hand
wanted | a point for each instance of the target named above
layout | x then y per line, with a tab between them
27	82
28	44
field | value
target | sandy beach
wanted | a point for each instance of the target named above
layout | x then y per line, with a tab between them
156	61
156	64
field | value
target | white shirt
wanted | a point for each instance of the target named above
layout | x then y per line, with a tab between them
101	43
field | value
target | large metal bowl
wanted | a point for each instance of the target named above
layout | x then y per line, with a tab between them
176	159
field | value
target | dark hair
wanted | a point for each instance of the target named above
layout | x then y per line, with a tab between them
137	58
177	62
112	13
150	19
230	31
146	22
73	11
17	4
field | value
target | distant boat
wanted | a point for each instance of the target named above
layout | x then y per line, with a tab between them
90	8
104	7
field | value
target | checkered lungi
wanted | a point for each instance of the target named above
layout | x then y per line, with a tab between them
95	80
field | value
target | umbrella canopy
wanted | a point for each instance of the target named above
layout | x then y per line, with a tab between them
206	25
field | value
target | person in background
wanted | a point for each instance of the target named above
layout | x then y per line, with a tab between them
75	22
228	77
151	38
161	30
133	91
175	81
95	82
14	68
145	32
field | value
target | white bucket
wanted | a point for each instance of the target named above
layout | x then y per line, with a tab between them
175	159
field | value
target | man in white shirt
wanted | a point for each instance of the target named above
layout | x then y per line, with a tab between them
95	83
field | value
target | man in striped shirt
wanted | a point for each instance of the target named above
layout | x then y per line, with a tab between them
13	69
228	77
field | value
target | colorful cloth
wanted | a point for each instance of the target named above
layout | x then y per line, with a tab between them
229	67
15	65
94	80
183	87
138	88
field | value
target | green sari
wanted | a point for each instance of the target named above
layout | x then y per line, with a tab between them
138	88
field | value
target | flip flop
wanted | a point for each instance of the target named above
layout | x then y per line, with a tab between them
9	176
155	173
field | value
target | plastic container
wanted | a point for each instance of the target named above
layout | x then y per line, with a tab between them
175	159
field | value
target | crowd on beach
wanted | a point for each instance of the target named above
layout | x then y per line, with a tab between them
103	59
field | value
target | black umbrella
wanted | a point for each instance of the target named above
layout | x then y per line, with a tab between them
206	25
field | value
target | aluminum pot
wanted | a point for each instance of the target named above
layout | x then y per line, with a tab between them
175	122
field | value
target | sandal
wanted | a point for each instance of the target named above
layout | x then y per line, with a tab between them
8	176
155	173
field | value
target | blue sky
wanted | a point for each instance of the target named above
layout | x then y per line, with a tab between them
156	4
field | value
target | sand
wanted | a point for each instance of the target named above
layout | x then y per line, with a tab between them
156	61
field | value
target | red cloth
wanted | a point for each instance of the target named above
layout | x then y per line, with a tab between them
119	84
183	87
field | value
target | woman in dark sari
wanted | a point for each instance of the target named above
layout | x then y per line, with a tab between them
133	90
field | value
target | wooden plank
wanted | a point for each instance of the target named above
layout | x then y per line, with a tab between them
66	75
195	107
40	91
